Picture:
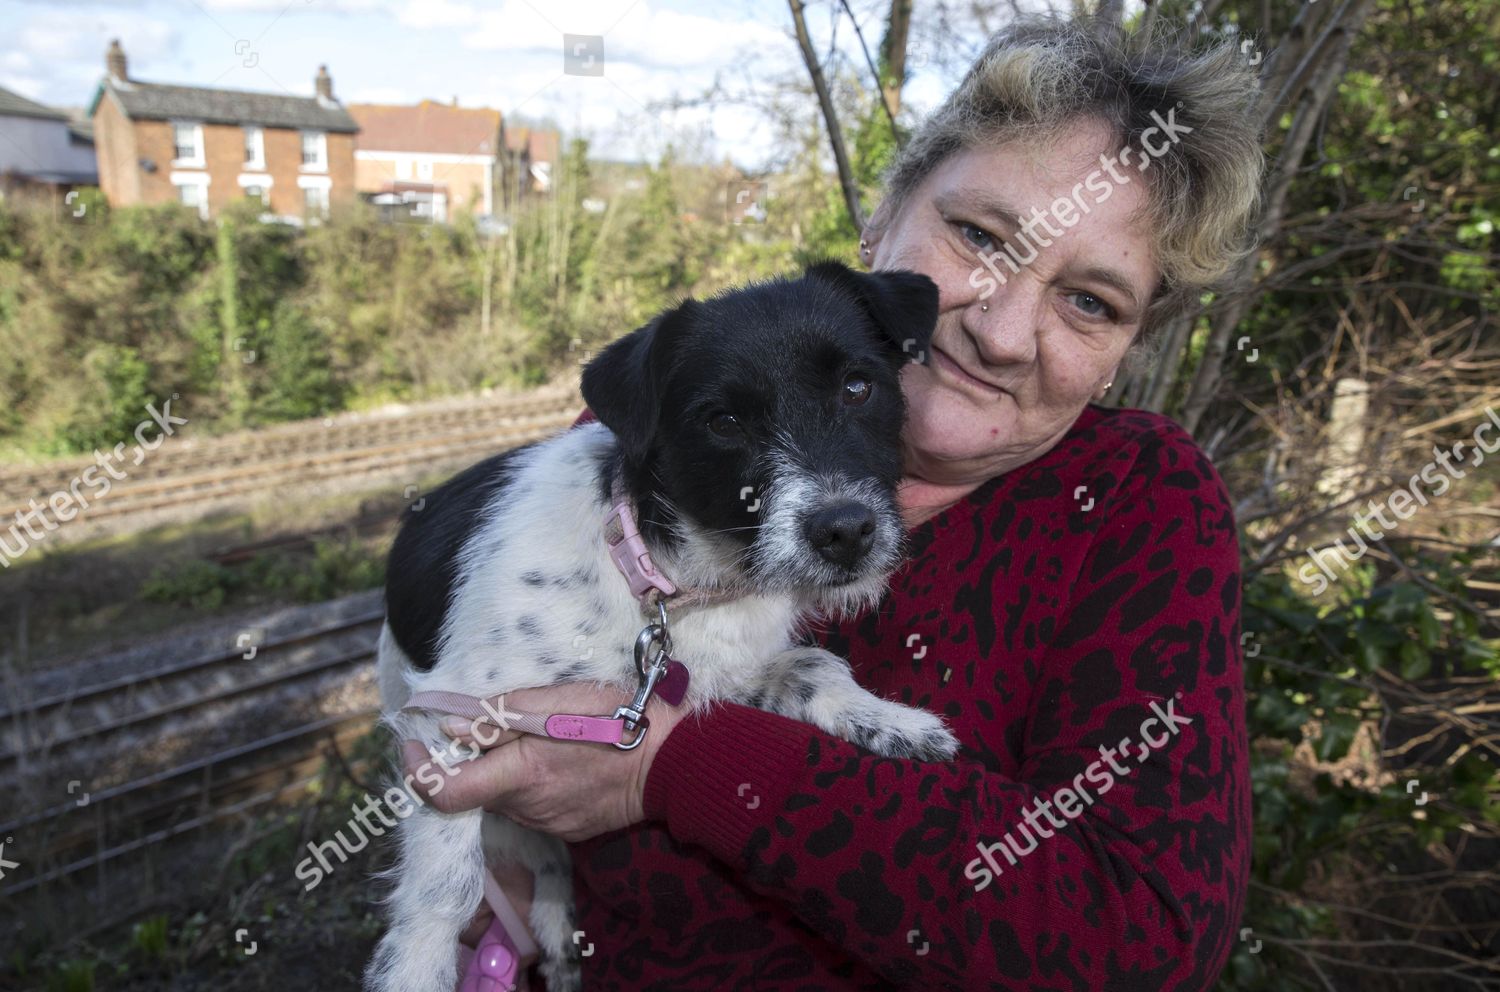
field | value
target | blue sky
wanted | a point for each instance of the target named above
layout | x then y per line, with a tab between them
506	54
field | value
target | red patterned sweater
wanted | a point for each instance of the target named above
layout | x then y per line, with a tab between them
1076	621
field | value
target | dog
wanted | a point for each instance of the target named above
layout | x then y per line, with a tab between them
757	435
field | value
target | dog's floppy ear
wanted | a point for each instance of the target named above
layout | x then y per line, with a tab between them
623	384
903	305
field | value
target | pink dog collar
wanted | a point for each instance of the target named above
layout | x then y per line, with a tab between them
628	549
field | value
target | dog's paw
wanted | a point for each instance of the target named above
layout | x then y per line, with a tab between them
910	733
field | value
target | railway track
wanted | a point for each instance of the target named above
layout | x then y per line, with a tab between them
153	760
186	473
71	719
151	811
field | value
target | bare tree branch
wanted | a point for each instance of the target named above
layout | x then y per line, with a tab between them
830	118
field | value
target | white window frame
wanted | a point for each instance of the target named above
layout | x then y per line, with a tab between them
424	169
196	160
321	165
323	183
321	208
200	180
261	180
255	139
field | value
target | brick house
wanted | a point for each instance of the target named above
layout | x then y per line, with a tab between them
206	148
432	158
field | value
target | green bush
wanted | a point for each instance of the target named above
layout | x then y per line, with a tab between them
252	323
1326	670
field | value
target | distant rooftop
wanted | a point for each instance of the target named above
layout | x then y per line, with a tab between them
540	143
428	126
161	102
15	105
164	102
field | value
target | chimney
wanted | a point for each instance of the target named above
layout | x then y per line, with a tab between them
114	61
324	84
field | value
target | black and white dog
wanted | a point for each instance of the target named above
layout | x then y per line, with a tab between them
757	435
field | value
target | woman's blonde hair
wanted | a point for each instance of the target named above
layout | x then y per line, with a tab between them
1042	75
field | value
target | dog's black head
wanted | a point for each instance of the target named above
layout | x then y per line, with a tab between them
760	430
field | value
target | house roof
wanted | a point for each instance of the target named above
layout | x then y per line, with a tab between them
160	102
540	144
426	127
13	104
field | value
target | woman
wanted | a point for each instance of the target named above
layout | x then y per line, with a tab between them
1071	606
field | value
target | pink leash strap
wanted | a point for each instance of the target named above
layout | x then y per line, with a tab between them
508	917
492	711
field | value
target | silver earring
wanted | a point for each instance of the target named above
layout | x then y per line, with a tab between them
984	308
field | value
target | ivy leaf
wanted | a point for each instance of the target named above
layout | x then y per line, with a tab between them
1415	661
1337	735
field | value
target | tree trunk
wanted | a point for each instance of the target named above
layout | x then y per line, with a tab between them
830	118
1324	63
893	56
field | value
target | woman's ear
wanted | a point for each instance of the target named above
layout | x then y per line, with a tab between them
902	305
623	384
869	238
1103	390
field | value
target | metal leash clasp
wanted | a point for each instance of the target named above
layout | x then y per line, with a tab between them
652	647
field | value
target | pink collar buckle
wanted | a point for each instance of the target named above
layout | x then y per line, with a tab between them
628	549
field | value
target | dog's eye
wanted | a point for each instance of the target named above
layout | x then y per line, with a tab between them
725	425
856	391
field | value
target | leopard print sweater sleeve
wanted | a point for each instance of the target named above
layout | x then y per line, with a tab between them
1076	622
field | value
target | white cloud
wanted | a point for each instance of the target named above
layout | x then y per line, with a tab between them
437	14
291	6
632	32
379	94
86	36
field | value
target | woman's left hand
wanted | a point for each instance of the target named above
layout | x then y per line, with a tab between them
569	789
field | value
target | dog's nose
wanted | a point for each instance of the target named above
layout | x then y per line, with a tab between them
842	533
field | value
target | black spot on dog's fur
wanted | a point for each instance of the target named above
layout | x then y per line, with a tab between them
533	578
529	626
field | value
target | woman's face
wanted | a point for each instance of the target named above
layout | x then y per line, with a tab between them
1014	364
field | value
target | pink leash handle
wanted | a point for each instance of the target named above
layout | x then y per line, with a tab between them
495	966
